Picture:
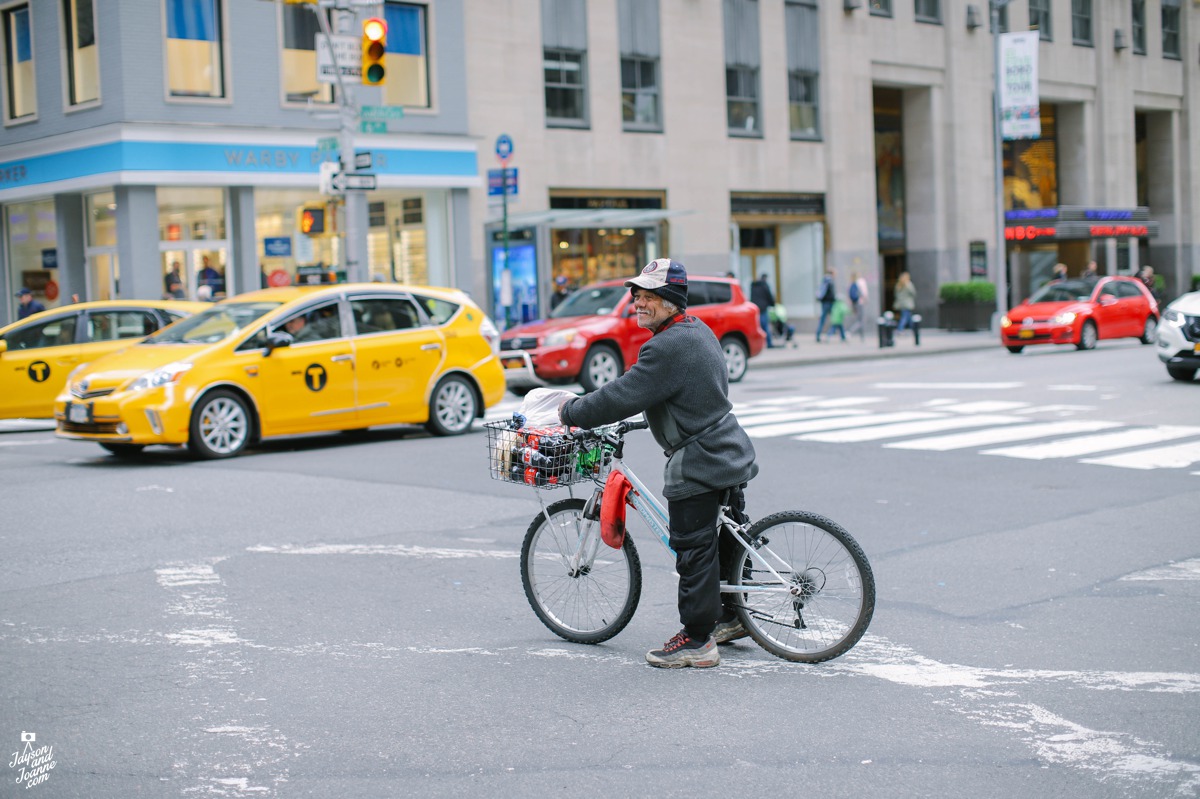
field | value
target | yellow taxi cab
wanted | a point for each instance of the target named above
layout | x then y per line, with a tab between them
282	361
38	352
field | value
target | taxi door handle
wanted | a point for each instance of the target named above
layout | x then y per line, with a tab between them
434	346
346	357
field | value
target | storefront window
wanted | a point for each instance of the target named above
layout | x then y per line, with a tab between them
195	253
32	254
585	255
287	255
103	274
1031	167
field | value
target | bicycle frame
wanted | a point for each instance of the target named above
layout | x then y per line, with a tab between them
648	506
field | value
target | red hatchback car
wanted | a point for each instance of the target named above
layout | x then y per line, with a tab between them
1081	312
593	337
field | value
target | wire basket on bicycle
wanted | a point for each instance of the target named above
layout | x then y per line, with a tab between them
544	457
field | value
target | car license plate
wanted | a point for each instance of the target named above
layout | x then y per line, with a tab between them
514	363
1026	334
77	414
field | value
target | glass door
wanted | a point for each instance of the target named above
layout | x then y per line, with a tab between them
197	270
103	274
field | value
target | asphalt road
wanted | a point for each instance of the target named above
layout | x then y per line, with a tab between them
343	616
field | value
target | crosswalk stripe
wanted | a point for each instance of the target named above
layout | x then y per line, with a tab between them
984	406
771	420
850	419
1088	445
796	400
1176	457
952	386
878	432
1001	435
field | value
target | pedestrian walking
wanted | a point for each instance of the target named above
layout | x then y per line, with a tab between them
858	304
29	306
762	296
837	318
826	294
906	301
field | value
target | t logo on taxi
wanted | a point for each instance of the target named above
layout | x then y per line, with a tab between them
39	371
315	377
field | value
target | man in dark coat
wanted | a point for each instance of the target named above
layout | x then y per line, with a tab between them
29	306
761	295
681	384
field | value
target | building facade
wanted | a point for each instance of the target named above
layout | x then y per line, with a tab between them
787	137
143	138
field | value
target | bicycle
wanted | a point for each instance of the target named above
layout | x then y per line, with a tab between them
803	588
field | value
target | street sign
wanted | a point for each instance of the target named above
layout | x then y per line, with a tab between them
328	170
353	181
504	147
327	143
362	161
368	126
502	181
381	113
345	55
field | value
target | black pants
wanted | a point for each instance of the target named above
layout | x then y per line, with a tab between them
698	559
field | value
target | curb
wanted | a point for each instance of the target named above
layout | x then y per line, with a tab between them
911	351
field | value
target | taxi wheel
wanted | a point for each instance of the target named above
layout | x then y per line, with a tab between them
1016	349
453	407
220	426
601	366
1087	336
124	450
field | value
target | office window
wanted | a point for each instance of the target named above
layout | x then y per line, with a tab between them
564	62
881	8
1081	22
299	55
195	55
407	81
1039	19
742	61
928	10
804	68
83	62
1139	27
638	21
18	62
1170	28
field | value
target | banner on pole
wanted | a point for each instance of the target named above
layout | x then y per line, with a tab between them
1020	113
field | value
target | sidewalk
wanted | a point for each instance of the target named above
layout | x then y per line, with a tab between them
805	349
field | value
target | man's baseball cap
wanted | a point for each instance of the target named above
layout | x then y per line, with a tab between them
666	278
21	292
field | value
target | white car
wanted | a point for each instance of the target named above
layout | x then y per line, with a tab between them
1178	340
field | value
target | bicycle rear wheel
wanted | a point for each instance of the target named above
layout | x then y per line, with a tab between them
830	596
585	605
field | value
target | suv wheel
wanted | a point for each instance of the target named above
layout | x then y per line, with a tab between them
601	366
736	358
1181	373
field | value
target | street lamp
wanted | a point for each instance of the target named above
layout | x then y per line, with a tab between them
1001	259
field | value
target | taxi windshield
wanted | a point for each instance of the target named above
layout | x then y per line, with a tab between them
212	325
590	302
1064	291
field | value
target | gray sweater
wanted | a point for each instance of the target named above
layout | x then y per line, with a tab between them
681	383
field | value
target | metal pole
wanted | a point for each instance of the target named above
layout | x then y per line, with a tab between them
1002	299
508	313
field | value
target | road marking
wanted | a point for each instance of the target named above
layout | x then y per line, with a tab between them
25	425
397	550
1061	410
1087	445
1070	388
952	386
26	443
984	406
877	432
1000	435
792	428
1177	457
1183	570
762	420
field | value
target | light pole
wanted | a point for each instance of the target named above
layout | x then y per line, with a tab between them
1001	255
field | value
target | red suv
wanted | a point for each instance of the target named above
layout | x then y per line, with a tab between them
593	337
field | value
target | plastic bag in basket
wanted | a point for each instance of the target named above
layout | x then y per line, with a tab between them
540	407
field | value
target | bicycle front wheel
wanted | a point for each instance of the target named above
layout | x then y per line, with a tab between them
827	596
582	589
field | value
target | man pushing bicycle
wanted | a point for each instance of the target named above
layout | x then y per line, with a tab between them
681	383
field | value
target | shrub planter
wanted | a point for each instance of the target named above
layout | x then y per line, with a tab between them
966	306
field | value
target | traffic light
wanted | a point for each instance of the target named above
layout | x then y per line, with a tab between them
374	48
312	220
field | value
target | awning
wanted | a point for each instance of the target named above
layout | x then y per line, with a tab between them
589	218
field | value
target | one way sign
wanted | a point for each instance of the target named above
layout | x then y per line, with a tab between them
353	181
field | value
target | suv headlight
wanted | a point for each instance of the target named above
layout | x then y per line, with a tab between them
1174	318
160	376
560	338
1064	318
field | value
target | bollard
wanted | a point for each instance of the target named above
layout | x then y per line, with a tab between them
887	330
916	328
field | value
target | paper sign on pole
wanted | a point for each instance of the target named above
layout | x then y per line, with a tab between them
1020	113
338	53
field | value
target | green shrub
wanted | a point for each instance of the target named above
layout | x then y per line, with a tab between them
1195	282
972	291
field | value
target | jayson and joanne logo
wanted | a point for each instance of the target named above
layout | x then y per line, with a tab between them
33	763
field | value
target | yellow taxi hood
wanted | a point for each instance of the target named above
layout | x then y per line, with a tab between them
118	368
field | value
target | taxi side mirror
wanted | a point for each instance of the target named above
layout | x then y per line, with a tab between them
277	340
3	346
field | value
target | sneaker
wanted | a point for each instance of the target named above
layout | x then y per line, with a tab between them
682	651
729	631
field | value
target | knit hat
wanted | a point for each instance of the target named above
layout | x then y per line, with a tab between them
666	278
